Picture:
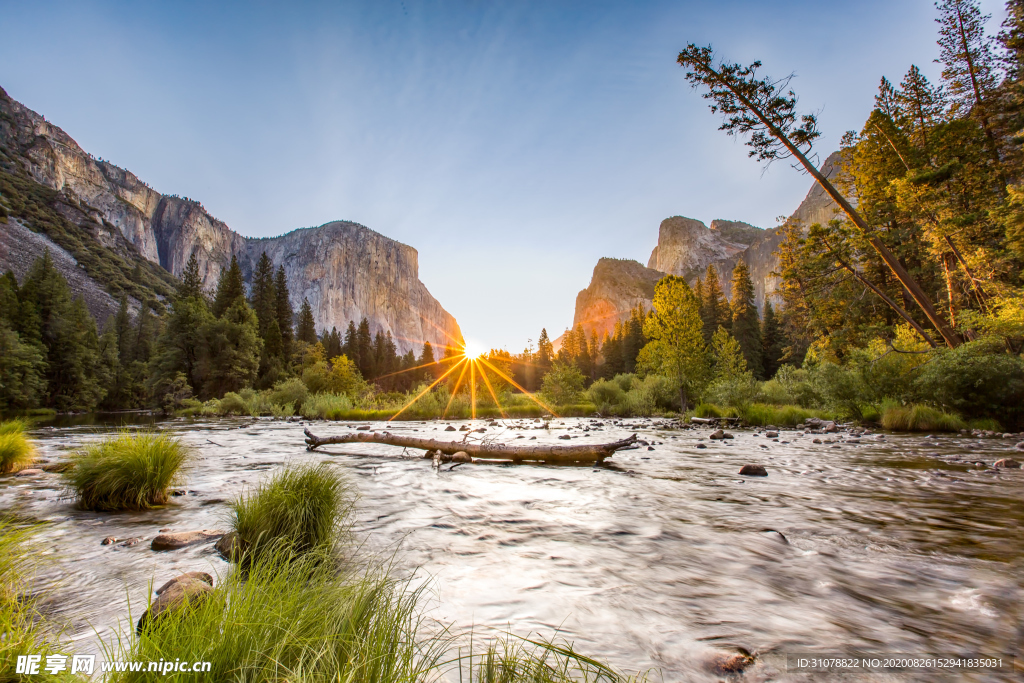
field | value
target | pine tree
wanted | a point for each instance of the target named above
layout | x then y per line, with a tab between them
746	327
264	298
306	331
772	341
285	314
545	353
350	347
232	350
728	356
191	282
921	108
364	348
430	372
230	288
715	311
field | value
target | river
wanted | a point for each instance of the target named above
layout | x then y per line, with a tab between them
654	561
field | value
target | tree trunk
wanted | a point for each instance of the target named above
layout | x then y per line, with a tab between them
541	453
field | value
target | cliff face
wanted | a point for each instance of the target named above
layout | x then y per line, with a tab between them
346	270
616	287
686	247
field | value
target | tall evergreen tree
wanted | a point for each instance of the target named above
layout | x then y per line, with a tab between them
285	314
746	327
773	342
264	298
350	347
191	283
230	288
364	348
545	354
306	330
431	371
715	311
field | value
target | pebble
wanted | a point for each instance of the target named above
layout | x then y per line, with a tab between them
183	539
753	471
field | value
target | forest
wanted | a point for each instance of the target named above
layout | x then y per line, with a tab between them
906	309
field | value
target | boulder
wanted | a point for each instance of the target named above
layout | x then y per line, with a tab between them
816	441
727	663
830	427
449	428
700	445
109	540
1007	463
772	435
753	471
29	472
564	436
717	434
230	546
183	539
185	590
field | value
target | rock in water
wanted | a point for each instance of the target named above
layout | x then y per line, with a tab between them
183	539
461	456
772	435
727	663
717	434
700	445
1007	463
230	546
449	428
753	471
184	590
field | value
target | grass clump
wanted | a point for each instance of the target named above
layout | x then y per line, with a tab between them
920	418
128	471
510	659
326	406
302	509
23	630
294	618
16	451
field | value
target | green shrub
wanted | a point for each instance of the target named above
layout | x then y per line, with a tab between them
977	380
920	418
232	404
300	509
788	416
16	450
127	471
291	391
563	384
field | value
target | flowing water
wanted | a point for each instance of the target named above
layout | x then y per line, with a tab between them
655	560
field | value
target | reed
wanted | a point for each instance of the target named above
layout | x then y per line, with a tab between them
16	450
128	471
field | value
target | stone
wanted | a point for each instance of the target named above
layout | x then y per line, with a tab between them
183	539
109	540
230	546
727	435
816	441
1019	446
830	428
363	428
727	663
186	590
650	448
717	434
753	471
28	472
772	435
449	428
56	467
128	543
1007	463
700	445
564	436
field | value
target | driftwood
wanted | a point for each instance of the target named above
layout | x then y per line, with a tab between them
482	451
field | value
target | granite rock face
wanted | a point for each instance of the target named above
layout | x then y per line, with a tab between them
616	287
346	270
686	247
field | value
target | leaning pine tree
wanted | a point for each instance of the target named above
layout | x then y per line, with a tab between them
766	111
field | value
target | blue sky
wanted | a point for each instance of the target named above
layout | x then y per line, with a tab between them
511	143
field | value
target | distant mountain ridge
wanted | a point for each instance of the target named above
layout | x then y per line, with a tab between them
346	270
686	247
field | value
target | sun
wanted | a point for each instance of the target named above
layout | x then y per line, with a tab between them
472	350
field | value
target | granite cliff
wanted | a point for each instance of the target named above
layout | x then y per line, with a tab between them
686	247
346	270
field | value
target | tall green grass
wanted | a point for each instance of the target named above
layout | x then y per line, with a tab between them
510	659
16	450
23	628
920	418
762	414
301	509
128	471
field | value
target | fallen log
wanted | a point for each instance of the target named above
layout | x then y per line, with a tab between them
481	451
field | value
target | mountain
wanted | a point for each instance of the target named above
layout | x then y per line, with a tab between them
346	270
686	247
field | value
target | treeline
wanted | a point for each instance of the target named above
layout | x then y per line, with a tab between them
52	355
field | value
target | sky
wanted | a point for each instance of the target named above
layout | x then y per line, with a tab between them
513	144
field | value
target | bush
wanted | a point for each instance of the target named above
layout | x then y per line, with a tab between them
920	418
16	451
127	471
291	391
563	384
977	380
232	404
301	509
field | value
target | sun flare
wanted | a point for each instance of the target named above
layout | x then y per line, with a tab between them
473	350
